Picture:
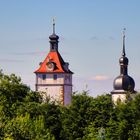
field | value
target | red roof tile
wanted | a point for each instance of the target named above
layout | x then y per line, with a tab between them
56	58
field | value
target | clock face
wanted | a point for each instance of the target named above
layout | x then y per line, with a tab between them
50	66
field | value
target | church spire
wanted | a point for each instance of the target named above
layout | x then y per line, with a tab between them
123	51
123	82
53	26
54	39
123	60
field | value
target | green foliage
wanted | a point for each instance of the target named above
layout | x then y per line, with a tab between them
24	117
23	127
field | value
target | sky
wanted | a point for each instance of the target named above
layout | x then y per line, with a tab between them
90	34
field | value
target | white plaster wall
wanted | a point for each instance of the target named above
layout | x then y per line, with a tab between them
116	97
67	95
53	92
60	89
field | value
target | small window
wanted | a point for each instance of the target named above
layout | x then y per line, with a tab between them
44	76
55	76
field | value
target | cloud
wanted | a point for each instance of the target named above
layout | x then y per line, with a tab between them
100	78
37	53
29	53
111	38
94	38
94	87
97	38
10	60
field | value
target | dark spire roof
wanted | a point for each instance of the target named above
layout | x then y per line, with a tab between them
53	26
124	82
54	39
123	52
54	36
54	57
123	60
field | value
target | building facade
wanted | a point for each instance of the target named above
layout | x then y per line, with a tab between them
53	77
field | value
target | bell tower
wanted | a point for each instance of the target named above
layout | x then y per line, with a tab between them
53	77
123	84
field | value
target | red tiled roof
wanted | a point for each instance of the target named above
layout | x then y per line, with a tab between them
56	58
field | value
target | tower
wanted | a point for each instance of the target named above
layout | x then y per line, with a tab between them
123	84
53	77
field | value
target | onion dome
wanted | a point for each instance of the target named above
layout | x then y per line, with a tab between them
123	60
53	37
124	82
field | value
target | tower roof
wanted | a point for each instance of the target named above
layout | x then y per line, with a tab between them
123	60
53	62
124	82
59	65
54	36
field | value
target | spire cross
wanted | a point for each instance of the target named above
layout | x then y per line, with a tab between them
123	52
53	26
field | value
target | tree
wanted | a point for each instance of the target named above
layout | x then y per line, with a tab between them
27	128
12	94
83	112
24	117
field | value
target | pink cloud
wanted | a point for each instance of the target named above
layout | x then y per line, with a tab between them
100	78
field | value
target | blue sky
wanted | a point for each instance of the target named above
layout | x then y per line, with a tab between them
90	39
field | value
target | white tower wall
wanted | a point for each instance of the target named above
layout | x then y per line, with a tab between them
120	97
56	86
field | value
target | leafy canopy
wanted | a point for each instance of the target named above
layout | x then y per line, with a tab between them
24	117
